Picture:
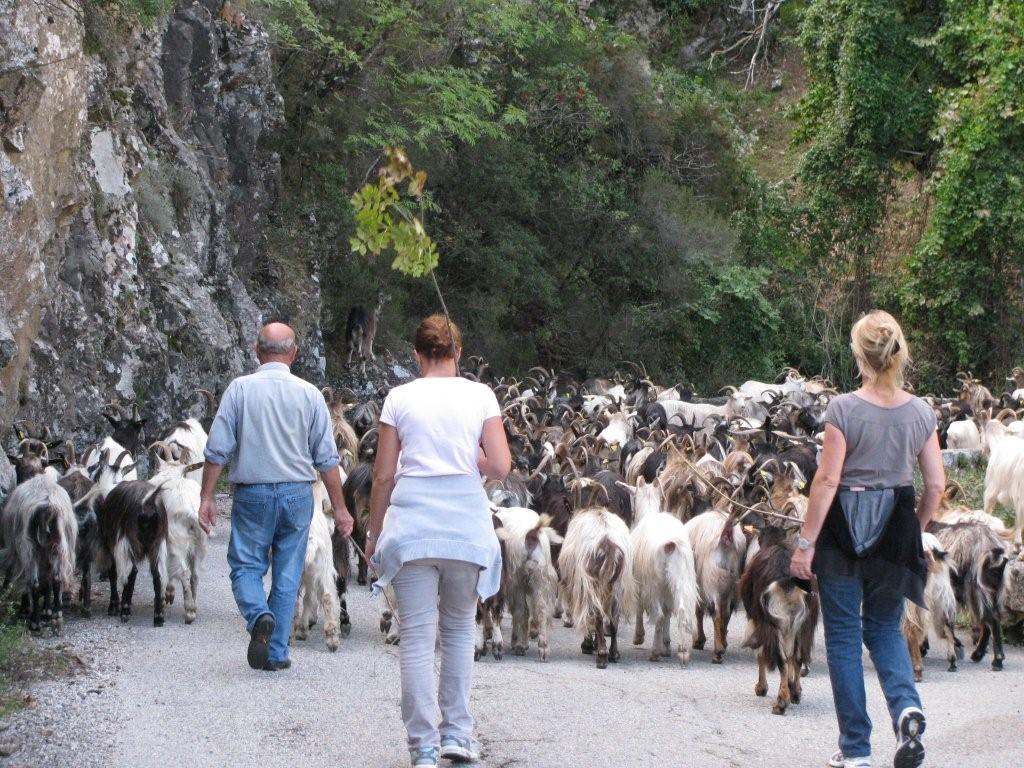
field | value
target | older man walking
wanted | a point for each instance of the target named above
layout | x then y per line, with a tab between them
277	430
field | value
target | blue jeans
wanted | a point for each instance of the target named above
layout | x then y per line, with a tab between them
271	519
854	610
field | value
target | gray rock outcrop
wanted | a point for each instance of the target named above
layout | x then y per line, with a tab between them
139	204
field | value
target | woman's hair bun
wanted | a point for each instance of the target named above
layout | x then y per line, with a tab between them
880	348
438	338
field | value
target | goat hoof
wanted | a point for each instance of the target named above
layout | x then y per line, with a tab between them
717	656
655	656
638	639
86	612
805	670
997	665
477	653
698	645
158	621
760	690
392	640
952	666
918	676
345	630
602	661
190	616
361	581
112	609
779	708
385	626
795	697
977	656
519	650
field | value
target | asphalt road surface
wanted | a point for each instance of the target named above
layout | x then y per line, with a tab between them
183	696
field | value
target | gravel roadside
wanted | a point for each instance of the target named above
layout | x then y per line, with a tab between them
183	696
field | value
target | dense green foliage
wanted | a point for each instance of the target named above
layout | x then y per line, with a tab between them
595	194
929	91
588	205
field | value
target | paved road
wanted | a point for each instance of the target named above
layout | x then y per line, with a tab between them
183	696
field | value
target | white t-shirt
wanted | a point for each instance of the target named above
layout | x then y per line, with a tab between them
439	420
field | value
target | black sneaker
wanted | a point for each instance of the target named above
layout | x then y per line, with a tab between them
274	666
910	750
259	648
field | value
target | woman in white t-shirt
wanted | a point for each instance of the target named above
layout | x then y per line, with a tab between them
430	534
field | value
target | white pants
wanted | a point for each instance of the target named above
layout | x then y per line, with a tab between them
425	588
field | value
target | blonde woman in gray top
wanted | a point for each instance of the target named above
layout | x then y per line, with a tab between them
862	538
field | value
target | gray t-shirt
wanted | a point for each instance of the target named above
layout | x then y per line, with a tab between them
882	444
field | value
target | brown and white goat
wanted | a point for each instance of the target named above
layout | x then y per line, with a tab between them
664	574
978	556
719	551
31	459
782	616
532	580
344	434
39	534
596	571
939	612
133	528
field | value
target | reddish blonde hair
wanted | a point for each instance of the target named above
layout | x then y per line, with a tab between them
434	341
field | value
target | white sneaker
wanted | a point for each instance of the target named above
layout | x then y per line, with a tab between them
910	750
838	761
459	750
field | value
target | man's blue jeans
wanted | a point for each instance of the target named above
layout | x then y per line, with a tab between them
856	610
271	519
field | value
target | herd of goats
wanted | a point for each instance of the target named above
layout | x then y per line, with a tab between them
627	501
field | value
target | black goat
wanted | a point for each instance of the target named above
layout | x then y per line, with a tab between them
132	528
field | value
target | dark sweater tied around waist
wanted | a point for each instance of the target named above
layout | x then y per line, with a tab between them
898	561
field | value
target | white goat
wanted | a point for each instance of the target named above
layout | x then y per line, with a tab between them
719	551
664	575
619	430
939	613
187	440
112	454
186	540
318	588
39	534
597	578
963	435
1004	477
532	580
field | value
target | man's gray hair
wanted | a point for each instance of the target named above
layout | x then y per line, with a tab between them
280	347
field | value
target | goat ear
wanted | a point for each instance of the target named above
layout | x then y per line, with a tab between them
114	421
138	423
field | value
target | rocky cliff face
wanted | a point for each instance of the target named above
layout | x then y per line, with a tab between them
138	202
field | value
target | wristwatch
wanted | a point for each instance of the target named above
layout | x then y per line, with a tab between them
803	544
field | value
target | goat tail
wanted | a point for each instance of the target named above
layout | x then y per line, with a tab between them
682	575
